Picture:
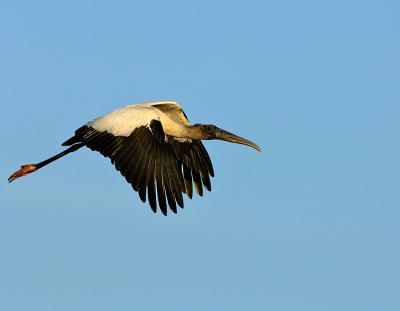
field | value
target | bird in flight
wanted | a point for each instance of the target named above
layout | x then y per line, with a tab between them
154	147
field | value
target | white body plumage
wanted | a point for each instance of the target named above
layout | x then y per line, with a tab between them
123	121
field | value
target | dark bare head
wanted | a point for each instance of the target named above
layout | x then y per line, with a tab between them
208	131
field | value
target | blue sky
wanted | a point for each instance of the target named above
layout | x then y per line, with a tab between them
311	223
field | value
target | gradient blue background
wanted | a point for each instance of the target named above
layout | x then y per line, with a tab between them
311	223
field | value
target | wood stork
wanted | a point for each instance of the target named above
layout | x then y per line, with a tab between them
154	147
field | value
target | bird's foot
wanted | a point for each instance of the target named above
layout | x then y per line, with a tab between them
23	171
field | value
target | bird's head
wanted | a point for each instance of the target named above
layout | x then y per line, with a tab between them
209	131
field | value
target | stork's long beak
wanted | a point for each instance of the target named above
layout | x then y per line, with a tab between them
225	135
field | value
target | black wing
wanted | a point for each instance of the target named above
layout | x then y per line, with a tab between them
196	165
144	158
155	167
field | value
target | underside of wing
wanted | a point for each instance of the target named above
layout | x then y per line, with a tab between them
196	164
145	159
159	168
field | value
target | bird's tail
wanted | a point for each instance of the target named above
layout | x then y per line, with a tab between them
30	168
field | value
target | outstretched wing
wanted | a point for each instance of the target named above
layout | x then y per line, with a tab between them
159	167
144	158
196	165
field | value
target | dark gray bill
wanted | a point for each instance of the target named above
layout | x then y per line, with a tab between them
225	135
